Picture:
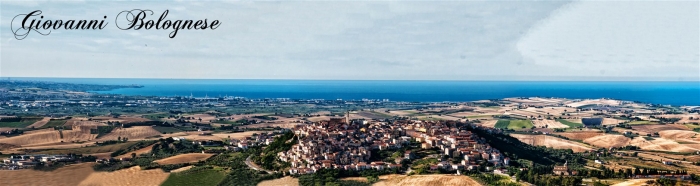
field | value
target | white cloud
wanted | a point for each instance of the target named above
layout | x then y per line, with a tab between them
309	40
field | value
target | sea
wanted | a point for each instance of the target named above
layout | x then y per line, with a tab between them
656	92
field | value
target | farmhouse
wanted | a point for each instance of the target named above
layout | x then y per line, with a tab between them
561	170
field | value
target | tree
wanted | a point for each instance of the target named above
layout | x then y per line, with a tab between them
372	179
133	155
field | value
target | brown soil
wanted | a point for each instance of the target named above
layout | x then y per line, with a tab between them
438	179
4	146
634	182
552	142
680	134
182	169
489	123
68	175
579	135
133	133
650	129
184	158
51	136
552	124
661	144
138	152
40	123
131	176
286	181
608	140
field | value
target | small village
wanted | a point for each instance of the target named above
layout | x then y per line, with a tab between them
347	145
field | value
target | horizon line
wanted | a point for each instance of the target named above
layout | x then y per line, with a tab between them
618	79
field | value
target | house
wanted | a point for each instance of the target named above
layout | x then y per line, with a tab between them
433	167
409	155
667	162
501	172
561	170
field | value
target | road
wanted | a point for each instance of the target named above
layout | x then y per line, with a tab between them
254	166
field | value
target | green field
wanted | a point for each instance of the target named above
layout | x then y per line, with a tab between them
20	124
501	124
198	177
167	129
520	124
54	123
692	126
514	124
570	124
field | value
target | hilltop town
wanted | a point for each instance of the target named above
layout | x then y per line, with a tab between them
49	129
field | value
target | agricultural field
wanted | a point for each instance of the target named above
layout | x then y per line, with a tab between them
167	129
67	175
40	123
520	124
50	136
285	181
502	124
569	123
89	150
24	122
514	124
203	177
552	124
54	123
552	142
184	158
608	140
582	135
643	122
374	114
436	179
132	133
130	176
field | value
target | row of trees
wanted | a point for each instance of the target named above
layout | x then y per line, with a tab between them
536	176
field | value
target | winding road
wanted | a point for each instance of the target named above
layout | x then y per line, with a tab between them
254	166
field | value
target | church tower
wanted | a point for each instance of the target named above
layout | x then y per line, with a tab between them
347	117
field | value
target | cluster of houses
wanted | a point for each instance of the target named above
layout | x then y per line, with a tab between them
339	144
455	143
27	161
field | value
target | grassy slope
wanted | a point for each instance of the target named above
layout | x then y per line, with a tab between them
501	124
19	124
520	124
202	178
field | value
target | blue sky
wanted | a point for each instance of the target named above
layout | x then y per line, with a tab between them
446	40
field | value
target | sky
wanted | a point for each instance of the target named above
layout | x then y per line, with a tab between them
367	40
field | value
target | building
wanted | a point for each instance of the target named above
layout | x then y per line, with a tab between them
561	170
